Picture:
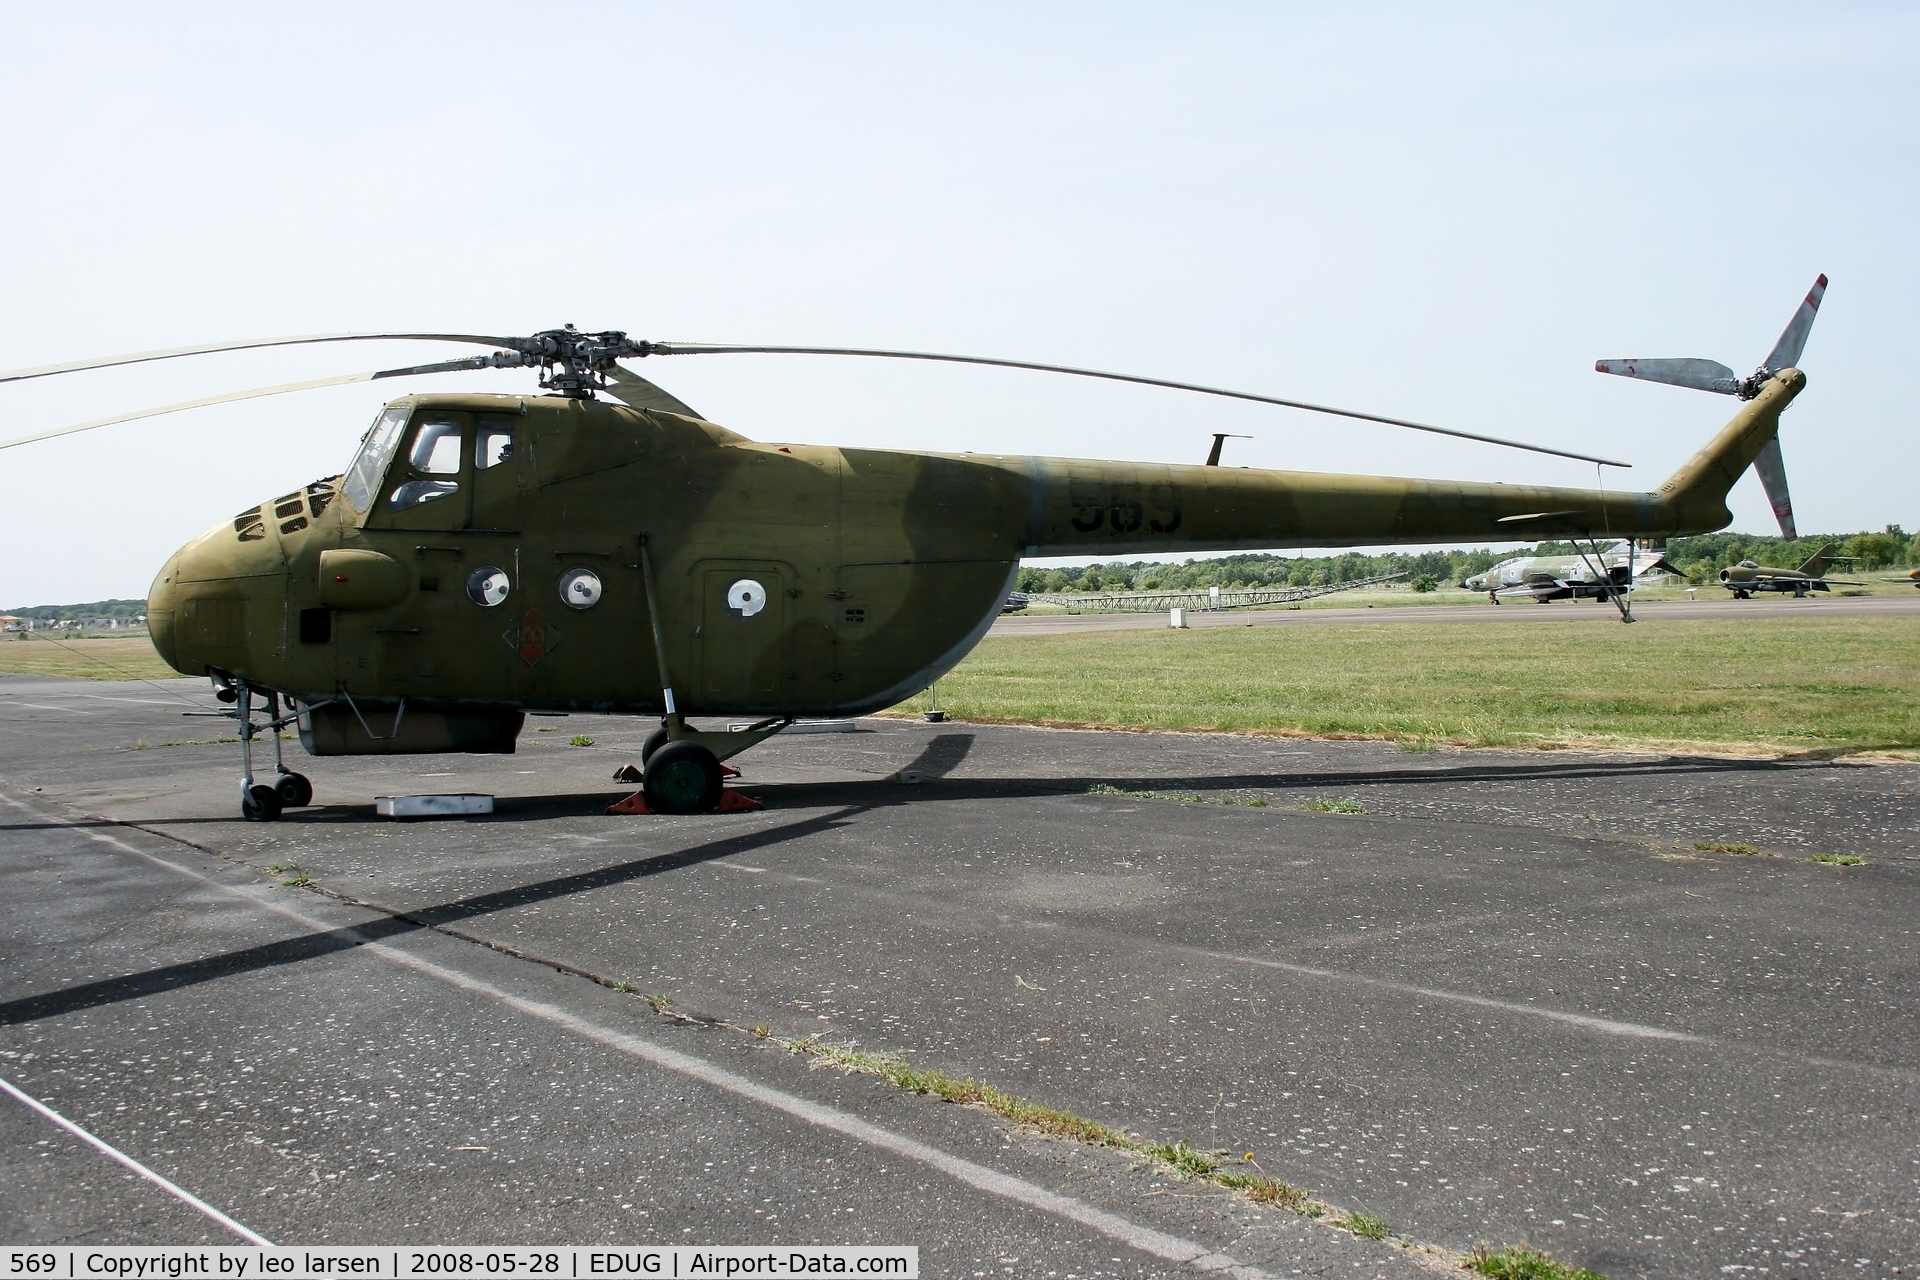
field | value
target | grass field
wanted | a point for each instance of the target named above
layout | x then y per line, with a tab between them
1792	685
115	658
1781	685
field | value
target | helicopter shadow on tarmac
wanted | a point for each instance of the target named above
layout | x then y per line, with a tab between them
946	751
443	918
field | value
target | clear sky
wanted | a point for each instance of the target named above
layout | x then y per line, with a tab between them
1443	212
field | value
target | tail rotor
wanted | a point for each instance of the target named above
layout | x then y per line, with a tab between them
1711	375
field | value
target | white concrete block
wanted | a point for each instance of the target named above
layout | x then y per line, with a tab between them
431	806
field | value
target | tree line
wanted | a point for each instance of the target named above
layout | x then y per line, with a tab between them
1699	559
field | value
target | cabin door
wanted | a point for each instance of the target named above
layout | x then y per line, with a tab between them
742	638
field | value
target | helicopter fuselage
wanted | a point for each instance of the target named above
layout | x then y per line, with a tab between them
488	555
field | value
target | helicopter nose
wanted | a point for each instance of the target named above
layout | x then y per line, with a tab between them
212	605
162	606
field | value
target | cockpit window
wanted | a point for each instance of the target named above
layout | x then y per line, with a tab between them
415	492
492	443
436	448
376	448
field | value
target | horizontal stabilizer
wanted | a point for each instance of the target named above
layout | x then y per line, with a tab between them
1786	352
1702	375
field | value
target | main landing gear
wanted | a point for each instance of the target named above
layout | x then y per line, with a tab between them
290	790
681	769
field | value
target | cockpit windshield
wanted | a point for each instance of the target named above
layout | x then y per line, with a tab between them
376	450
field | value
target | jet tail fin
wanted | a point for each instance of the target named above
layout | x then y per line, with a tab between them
1817	564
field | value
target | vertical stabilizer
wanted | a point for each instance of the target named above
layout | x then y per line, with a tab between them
1817	564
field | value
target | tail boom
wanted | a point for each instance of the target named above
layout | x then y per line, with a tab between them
1078	507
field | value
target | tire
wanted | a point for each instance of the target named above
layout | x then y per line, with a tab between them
682	777
260	804
655	740
1741	595
295	791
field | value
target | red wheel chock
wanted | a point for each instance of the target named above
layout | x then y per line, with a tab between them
730	802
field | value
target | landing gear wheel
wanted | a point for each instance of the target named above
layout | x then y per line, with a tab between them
1741	595
294	790
260	804
655	740
682	777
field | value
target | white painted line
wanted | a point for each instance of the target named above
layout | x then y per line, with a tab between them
1605	1026
1147	1240
114	1153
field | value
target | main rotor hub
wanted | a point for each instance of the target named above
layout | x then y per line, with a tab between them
572	363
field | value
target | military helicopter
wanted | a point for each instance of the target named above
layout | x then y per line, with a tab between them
603	547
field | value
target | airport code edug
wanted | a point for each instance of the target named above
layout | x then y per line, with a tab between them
182	1262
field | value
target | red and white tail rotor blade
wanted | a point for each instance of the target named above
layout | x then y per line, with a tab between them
1793	341
1702	375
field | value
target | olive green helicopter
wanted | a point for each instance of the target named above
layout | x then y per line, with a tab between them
603	547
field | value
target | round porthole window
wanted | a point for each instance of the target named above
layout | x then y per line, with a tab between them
580	588
746	598
488	586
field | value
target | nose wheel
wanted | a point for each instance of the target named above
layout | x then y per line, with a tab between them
289	790
260	804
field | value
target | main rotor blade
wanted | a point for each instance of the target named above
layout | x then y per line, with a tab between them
1701	375
704	349
1793	340
21	375
192	404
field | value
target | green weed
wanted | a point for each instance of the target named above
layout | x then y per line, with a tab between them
1184	797
1839	859
1727	846
580	740
1367	1227
1335	806
1180	1159
1183	1160
1519	1262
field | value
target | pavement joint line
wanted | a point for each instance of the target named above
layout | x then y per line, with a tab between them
1606	1026
1147	1240
114	1153
1586	1022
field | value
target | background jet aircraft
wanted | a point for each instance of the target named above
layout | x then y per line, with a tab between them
1571	577
1745	578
